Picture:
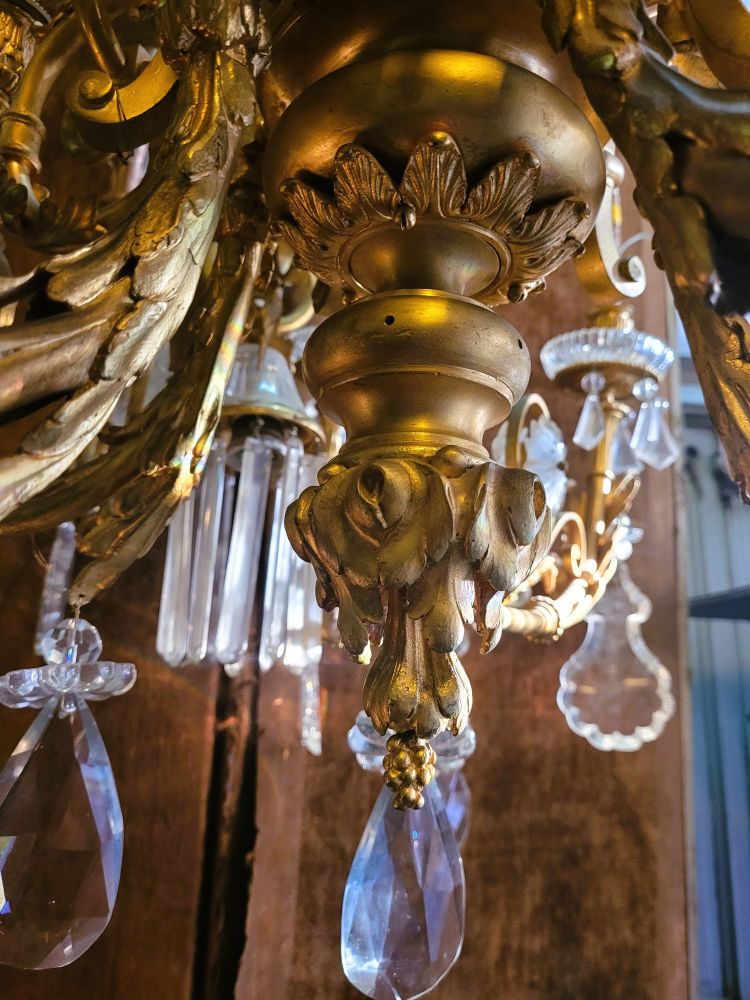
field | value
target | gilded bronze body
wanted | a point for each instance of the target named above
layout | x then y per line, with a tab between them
413	532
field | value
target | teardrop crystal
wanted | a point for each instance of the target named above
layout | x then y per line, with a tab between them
61	838
402	924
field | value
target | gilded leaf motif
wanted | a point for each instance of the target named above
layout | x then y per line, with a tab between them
410	686
363	190
433	186
434	181
501	200
159	250
428	547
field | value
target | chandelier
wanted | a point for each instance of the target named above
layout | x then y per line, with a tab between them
314	216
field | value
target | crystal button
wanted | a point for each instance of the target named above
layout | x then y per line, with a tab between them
71	641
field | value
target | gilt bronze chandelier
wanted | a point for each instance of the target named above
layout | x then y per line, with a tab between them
361	191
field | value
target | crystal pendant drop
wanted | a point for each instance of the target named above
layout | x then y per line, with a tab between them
402	923
457	797
653	441
623	459
61	838
613	690
590	428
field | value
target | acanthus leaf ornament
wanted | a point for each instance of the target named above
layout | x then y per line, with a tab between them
418	546
497	212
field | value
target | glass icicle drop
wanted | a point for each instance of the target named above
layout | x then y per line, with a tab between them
402	923
174	612
310	720
56	581
304	624
273	633
243	557
206	550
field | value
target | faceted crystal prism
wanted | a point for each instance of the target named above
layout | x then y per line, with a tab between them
61	841
402	924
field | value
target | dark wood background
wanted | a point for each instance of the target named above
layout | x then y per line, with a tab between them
238	843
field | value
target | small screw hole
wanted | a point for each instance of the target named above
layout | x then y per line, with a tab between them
520	343
389	320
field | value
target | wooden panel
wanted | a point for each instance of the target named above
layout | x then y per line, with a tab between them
160	739
575	864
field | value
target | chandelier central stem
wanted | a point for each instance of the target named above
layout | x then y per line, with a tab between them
444	194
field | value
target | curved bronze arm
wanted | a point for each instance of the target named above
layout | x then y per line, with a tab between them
102	40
